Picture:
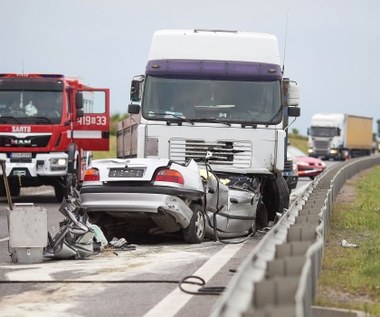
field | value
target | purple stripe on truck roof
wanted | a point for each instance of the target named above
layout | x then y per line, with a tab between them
217	69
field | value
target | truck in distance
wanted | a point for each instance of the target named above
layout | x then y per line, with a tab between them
339	136
49	123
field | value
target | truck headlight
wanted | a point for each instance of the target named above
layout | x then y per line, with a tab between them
58	164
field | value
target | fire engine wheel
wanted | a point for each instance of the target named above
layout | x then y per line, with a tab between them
59	192
195	231
14	188
276	197
73	177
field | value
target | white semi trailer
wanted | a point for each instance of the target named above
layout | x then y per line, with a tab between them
339	136
215	90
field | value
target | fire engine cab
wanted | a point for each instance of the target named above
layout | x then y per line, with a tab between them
49	123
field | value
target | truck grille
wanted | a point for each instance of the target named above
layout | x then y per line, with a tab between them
225	153
321	145
29	141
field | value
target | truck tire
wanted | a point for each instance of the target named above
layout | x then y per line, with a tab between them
14	188
276	197
2	187
195	231
261	216
73	177
71	158
59	192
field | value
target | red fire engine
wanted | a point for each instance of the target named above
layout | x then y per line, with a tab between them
48	125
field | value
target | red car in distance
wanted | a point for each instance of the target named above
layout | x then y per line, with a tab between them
307	166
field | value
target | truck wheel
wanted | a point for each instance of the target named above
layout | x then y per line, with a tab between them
73	168
195	231
276	197
59	192
2	187
261	216
14	188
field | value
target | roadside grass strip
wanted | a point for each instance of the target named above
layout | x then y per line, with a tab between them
350	276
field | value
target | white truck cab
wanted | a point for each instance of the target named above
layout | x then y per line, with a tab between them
218	90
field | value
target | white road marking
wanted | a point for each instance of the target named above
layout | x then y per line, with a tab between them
174	301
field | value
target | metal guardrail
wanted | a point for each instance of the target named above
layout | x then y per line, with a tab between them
280	276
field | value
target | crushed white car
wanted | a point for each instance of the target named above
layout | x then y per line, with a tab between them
171	196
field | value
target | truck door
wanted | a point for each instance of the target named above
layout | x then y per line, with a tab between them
91	131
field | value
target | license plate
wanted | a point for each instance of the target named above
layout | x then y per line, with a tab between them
21	155
126	172
19	173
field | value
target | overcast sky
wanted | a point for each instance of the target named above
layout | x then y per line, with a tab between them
332	47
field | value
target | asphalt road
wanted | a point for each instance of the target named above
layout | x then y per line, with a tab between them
141	282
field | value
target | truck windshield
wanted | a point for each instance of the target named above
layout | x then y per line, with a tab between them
30	107
324	131
229	101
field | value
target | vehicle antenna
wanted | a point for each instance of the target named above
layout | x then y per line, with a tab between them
286	36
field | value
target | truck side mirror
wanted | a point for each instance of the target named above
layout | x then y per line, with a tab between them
136	87
338	131
133	108
308	131
80	113
293	94
79	100
294	111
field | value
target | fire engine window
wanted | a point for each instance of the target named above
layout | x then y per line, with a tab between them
94	102
33	107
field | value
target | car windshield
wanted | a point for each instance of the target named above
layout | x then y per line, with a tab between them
293	151
229	101
30	107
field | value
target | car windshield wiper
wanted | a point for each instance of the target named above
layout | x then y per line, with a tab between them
174	115
4	119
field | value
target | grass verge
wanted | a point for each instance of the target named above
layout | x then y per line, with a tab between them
107	154
350	277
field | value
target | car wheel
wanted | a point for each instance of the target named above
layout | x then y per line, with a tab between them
195	231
